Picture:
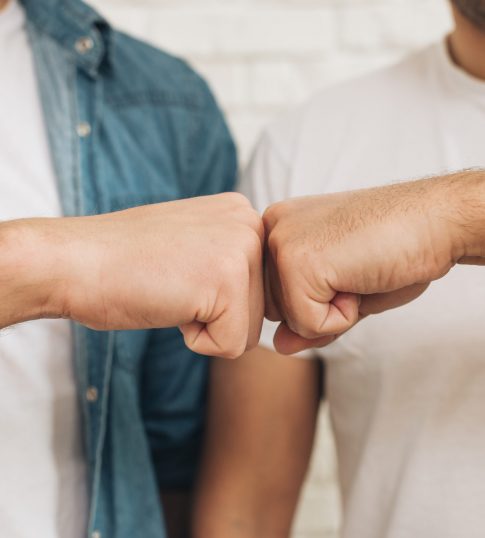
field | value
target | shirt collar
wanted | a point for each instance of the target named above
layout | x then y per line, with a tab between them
76	26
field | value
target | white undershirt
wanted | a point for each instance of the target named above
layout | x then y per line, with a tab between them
42	467
406	388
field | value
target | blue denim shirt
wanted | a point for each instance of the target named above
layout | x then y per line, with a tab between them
129	125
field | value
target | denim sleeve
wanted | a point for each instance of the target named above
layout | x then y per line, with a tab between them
175	379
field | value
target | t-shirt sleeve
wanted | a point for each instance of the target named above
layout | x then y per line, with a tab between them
266	181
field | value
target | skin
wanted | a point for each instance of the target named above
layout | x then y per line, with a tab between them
473	10
455	232
51	283
467	44
40	265
194	263
258	445
319	292
211	287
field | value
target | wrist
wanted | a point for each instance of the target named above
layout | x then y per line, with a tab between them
31	280
466	213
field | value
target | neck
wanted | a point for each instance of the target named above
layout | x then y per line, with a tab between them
3	3
467	46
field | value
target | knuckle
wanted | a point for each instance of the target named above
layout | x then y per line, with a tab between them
286	257
252	246
269	219
282	245
273	241
232	352
276	212
237	199
246	248
255	221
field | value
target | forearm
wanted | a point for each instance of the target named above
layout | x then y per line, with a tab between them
238	516
30	273
464	196
259	439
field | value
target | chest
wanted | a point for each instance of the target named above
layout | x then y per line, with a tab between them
448	320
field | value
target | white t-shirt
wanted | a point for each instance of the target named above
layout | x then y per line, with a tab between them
42	468
407	388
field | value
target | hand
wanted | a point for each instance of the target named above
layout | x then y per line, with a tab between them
335	259
196	264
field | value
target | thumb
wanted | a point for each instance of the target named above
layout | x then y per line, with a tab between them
380	302
311	318
287	342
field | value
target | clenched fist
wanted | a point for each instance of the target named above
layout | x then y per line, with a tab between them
332	260
196	264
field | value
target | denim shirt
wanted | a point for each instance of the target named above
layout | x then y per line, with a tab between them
129	125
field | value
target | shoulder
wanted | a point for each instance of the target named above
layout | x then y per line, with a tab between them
386	85
137	67
334	108
158	111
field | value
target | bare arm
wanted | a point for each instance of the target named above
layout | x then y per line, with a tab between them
262	416
31	283
336	258
193	263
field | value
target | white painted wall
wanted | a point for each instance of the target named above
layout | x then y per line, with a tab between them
263	56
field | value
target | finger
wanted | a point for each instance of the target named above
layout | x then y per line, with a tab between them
226	336
313	318
271	291
287	342
472	260
256	299
380	302
272	288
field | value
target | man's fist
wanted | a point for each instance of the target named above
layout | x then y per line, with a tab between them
196	264
332	260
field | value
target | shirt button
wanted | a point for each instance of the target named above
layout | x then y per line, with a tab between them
92	396
84	44
83	129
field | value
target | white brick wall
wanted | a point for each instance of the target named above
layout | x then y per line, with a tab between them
263	56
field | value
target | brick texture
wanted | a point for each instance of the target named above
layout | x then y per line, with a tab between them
264	56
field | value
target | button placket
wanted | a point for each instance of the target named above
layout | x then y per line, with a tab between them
84	44
92	394
83	129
